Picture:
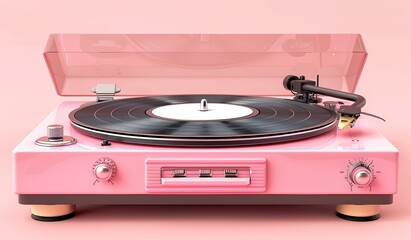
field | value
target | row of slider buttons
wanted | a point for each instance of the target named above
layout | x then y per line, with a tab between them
205	173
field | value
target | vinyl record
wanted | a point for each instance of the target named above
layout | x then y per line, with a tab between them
260	121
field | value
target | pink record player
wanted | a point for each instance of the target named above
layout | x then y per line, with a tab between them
230	119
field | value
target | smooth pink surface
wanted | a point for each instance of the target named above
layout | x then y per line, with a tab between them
236	64
25	26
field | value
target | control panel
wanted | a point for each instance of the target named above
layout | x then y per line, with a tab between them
210	176
205	175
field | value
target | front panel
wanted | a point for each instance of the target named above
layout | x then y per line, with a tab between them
258	172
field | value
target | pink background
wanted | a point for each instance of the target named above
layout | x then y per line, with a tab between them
27	96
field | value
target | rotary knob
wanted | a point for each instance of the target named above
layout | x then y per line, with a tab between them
55	137
55	132
361	176
104	169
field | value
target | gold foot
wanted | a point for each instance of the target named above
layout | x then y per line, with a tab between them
52	212
358	212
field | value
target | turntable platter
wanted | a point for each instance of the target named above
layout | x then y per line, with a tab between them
228	121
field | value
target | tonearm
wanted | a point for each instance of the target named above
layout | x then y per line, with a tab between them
307	90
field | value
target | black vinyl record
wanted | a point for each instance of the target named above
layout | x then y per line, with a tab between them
273	120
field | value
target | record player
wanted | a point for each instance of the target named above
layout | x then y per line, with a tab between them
228	119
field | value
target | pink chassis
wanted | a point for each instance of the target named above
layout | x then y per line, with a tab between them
313	171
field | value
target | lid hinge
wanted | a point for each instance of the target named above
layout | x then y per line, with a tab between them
105	91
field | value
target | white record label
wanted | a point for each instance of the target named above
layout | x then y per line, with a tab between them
191	112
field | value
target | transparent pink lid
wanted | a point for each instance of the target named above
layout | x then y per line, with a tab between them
163	64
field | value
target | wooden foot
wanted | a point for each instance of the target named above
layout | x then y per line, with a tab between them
50	213
359	213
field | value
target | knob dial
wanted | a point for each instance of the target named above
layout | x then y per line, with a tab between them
55	132
361	176
104	169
